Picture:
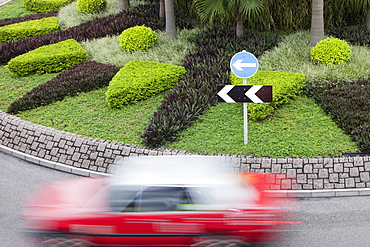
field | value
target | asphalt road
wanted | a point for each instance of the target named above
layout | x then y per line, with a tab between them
18	179
338	222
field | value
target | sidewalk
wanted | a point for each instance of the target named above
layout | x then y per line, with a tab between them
2	2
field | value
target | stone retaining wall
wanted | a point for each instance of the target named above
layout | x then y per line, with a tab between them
99	155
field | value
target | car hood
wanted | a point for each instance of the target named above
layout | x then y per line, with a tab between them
66	197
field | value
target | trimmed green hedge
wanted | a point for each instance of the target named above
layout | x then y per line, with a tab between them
331	51
90	6
137	38
139	80
48	59
43	6
285	87
27	29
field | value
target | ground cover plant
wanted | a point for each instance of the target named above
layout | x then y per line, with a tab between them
9	21
97	28
83	77
197	89
348	104
356	35
86	114
14	9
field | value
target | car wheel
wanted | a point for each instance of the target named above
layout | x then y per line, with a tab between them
66	242
219	242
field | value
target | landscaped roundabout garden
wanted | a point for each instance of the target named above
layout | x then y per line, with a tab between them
85	74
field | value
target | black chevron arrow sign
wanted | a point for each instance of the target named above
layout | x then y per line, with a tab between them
244	94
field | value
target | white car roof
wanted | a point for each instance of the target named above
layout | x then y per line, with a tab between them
174	170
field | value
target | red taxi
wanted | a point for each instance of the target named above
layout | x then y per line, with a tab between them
157	201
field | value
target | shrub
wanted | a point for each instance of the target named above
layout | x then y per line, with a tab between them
48	59
137	38
27	29
285	87
206	68
90	6
45	5
83	77
139	80
97	28
8	21
331	51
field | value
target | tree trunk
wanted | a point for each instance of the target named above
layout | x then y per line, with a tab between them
161	9
170	19
368	17
239	26
123	4
317	22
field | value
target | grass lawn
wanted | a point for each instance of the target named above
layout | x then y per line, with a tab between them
299	129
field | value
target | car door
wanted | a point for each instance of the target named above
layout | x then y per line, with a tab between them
152	215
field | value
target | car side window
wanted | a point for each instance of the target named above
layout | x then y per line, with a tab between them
124	198
148	199
162	198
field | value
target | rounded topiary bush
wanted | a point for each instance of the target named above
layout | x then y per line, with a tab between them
331	51
90	6
137	38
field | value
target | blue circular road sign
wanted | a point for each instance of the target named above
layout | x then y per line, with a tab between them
244	64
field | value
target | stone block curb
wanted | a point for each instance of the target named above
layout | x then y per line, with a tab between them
88	173
72	151
51	164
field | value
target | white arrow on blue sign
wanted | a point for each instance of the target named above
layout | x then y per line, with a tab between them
244	64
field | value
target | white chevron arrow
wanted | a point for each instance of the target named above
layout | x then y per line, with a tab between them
239	65
223	93
251	93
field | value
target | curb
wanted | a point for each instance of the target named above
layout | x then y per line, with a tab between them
88	173
2	2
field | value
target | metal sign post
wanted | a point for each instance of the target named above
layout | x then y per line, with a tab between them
245	110
244	65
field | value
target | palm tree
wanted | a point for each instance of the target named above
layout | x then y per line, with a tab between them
123	4
161	9
208	10
170	19
317	22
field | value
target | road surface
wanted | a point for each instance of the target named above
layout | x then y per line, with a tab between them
338	222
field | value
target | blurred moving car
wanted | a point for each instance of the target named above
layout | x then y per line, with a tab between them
157	201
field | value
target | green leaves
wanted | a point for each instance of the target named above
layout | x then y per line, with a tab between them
139	80
348	105
48	59
211	9
22	30
83	77
299	129
91	6
137	38
44	6
286	87
331	51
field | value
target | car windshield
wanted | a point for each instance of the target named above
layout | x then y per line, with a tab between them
221	195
